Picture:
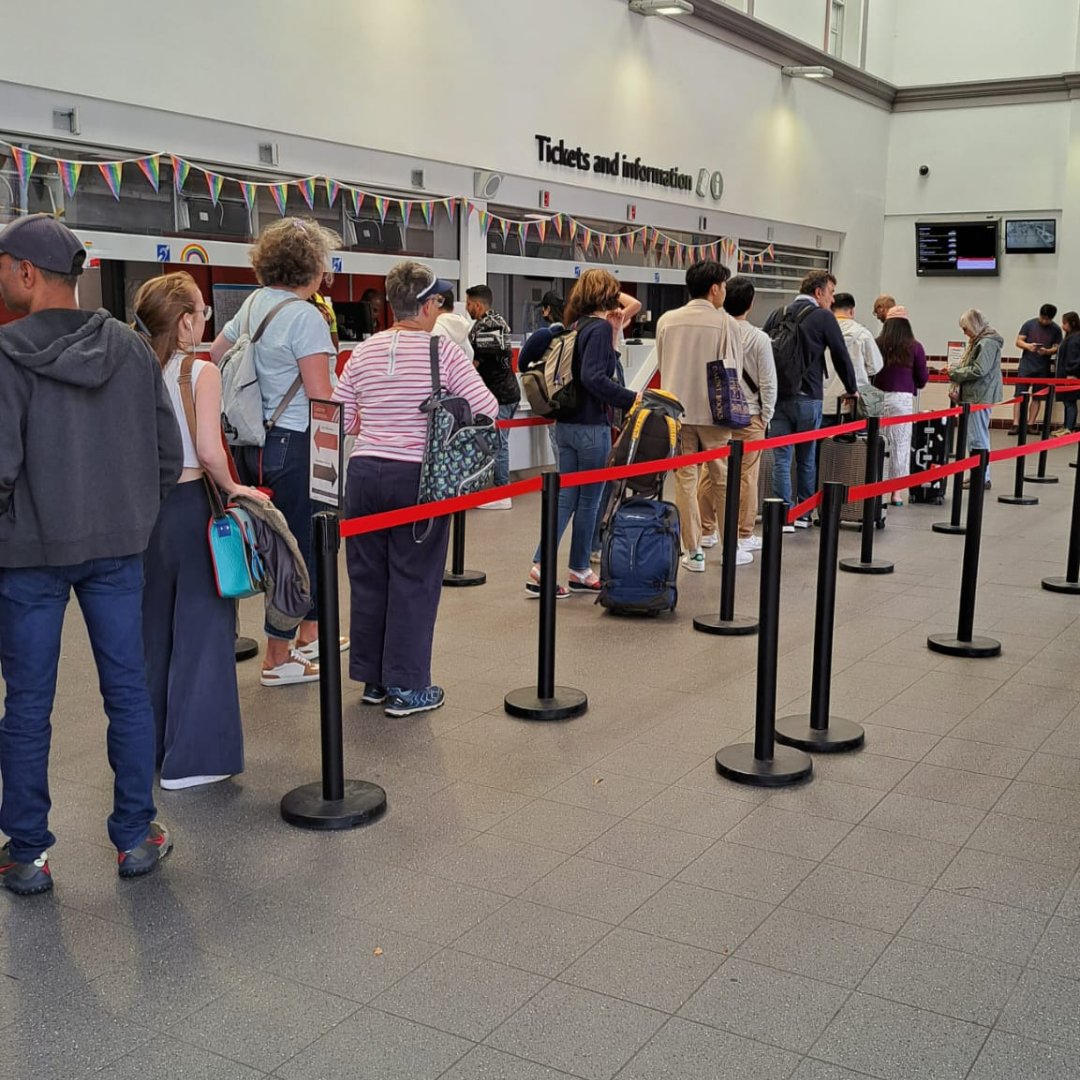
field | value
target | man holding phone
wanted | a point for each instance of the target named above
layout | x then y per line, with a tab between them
1038	343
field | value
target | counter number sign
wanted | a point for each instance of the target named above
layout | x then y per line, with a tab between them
327	452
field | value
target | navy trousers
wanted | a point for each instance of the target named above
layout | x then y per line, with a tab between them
189	631
395	582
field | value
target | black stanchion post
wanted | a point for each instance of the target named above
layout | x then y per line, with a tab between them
546	701
965	643
1040	476
335	803
871	514
762	763
819	731
954	525
1018	498
457	576
727	622
1070	583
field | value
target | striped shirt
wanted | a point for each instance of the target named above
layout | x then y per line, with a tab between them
385	381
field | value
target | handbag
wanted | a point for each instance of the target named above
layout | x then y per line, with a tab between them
726	399
238	569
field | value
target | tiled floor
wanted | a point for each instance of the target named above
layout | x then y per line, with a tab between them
590	899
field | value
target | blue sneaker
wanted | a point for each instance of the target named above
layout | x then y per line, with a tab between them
401	702
374	694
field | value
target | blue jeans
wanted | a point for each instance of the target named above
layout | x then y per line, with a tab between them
32	605
979	433
581	447
502	458
793	415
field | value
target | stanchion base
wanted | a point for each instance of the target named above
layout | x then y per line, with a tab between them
465	578
246	649
949	527
528	705
1040	479
1018	500
306	808
839	736
978	648
874	566
1060	584
786	766
736	626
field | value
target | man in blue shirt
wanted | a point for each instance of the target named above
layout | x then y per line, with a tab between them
1038	343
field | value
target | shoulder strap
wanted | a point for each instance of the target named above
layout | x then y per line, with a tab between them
268	317
433	353
187	396
294	388
807	308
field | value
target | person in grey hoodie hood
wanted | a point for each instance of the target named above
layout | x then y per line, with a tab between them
89	446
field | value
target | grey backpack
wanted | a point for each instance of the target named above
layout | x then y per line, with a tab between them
241	399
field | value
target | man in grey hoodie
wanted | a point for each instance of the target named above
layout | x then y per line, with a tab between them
88	448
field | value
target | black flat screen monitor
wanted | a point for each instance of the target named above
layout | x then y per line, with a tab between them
956	248
1034	236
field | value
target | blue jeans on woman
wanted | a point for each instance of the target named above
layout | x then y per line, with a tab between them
581	447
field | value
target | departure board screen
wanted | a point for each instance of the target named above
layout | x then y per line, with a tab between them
963	248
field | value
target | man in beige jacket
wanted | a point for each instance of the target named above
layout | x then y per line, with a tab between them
687	339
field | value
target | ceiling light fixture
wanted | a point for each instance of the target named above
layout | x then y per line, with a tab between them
662	7
811	72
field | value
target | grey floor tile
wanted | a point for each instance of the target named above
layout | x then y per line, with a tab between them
483	1063
977	757
897	743
822	1070
610	793
586	1034
465	995
497	864
1058	952
1053	770
904	716
649	762
897	1042
749	872
1005	880
952	983
828	799
852	896
924	818
594	889
683	1050
651	971
864	769
1055	805
533	937
693	811
375	1046
907	858
701	917
263	1022
976	790
639	845
1056	845
976	926
472	806
789	833
1009	1057
168	1059
810	945
1044	1007
558	826
1004	730
761	1003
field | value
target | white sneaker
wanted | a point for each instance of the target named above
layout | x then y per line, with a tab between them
191	781
695	562
788	529
310	651
711	540
297	669
751	543
803	523
497	504
742	556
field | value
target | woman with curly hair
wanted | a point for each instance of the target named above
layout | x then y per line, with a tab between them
294	359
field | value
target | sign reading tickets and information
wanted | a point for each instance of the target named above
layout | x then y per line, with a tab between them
327	467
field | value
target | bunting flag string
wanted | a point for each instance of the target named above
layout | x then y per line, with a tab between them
250	193
307	189
69	174
406	213
451	209
280	194
180	171
333	188
557	221
483	219
113	171
150	167
357	200
213	185
25	161
381	206
541	228
426	209
504	228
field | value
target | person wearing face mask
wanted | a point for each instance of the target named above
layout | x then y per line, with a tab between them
188	628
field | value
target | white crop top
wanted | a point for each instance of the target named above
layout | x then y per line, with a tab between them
171	375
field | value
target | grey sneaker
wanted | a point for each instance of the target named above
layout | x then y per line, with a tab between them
144	857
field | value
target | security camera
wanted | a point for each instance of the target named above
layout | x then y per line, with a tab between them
924	170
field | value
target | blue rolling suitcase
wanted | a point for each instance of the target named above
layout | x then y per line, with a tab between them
639	560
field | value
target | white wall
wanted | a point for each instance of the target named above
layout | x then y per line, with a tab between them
802	19
880	38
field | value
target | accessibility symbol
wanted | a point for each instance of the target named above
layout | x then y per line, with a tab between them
163	253
336	264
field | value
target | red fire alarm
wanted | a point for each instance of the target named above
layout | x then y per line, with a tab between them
631	212
545	200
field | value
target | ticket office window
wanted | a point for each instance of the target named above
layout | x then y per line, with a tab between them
777	282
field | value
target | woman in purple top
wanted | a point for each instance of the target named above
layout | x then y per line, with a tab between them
904	374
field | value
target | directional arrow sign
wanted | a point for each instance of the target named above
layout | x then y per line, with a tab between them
325	472
326	440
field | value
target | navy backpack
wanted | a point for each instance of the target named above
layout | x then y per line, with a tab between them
639	561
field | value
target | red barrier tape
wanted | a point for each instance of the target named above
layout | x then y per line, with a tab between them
920	418
524	421
1011	452
899	483
642	468
804	508
803	436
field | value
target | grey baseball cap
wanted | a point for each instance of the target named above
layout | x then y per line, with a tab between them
42	240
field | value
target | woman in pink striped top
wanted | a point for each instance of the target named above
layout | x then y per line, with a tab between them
396	582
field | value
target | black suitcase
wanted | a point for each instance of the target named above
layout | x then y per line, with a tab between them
929	448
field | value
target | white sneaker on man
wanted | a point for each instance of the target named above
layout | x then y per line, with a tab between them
742	556
695	561
711	540
497	504
751	543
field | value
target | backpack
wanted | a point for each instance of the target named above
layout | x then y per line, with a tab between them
651	433
639	560
790	354
549	385
242	417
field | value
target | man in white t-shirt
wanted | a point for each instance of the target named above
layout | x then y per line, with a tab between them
861	346
453	325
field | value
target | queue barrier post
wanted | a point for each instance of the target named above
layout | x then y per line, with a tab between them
457	576
964	643
334	803
1040	476
866	563
1070	583
727	622
546	701
1018	498
954	526
762	763
819	731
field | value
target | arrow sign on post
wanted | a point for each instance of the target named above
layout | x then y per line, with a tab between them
324	472
327	452
325	440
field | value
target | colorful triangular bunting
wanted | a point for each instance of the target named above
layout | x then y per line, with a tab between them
213	185
150	167
280	194
307	189
180	171
69	173
113	172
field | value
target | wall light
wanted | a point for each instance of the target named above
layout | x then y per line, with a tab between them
812	72
662	7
